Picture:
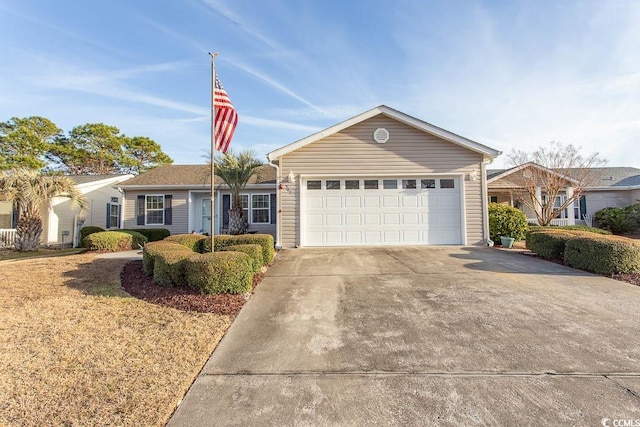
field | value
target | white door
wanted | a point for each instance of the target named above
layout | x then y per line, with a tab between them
381	211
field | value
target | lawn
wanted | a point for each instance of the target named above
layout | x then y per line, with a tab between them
78	350
6	254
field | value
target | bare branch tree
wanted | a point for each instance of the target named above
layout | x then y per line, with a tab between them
549	171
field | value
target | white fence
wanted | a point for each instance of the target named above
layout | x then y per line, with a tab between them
7	237
557	221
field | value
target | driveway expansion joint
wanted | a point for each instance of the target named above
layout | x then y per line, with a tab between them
463	374
627	389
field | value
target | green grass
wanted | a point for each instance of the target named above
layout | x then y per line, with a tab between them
7	254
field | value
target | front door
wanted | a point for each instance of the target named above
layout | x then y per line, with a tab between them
206	216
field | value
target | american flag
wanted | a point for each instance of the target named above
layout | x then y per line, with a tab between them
226	117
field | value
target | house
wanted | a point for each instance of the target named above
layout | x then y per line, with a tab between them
178	198
62	221
610	187
382	178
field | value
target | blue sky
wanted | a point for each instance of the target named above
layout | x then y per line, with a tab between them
507	74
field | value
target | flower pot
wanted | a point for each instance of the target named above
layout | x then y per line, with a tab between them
507	242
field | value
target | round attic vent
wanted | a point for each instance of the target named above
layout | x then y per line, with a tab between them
381	135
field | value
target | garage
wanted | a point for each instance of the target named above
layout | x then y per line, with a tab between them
345	211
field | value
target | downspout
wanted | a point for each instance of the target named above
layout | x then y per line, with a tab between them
485	206
278	203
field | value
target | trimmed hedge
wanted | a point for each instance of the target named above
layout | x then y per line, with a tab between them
220	272
151	250
152	234
507	221
221	241
191	241
264	240
169	266
604	255
88	230
570	227
550	244
114	241
254	251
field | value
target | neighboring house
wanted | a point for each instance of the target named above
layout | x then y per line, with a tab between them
613	187
382	178
178	198
61	221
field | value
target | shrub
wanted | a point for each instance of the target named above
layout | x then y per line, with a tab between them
114	241
138	239
221	242
570	227
505	220
169	266
151	250
619	220
85	231
549	243
220	272
191	241
603	254
152	234
254	251
264	240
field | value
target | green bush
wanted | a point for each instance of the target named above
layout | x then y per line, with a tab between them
152	234
221	242
169	266
254	251
507	221
114	241
264	240
571	228
191	241
220	272
603	254
619	220
139	240
151	250
549	243
85	231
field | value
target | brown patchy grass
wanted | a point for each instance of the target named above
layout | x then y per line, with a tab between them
78	350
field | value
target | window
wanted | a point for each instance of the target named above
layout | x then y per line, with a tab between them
493	199
408	184
352	184
333	185
314	185
447	183
389	184
244	202
154	210
113	216
427	183
260	208
370	184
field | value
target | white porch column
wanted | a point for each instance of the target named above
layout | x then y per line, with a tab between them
571	220
539	198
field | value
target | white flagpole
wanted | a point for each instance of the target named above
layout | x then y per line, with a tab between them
213	147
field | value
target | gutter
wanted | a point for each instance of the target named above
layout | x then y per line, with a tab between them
485	206
278	204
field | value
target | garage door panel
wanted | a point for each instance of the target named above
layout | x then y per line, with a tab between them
391	216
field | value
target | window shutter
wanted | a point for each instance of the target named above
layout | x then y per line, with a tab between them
168	211
141	209
583	206
226	205
119	215
274	210
108	215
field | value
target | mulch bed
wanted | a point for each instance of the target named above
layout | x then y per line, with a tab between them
135	283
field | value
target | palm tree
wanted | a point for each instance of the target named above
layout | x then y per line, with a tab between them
236	170
29	191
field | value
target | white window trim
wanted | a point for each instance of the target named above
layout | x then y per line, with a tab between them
146	210
268	208
111	216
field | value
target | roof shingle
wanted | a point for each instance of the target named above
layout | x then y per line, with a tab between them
193	175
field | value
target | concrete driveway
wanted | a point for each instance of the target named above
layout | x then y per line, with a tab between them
424	336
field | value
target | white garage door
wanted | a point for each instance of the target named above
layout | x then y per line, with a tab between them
381	211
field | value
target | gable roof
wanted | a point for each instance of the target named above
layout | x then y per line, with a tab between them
394	114
84	179
196	176
496	175
610	177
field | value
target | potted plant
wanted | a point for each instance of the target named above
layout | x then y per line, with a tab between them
507	242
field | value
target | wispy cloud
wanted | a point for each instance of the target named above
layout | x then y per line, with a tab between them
276	124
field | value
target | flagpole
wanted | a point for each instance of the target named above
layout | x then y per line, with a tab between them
213	147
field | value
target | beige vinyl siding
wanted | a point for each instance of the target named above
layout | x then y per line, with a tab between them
597	200
352	151
179	207
635	197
